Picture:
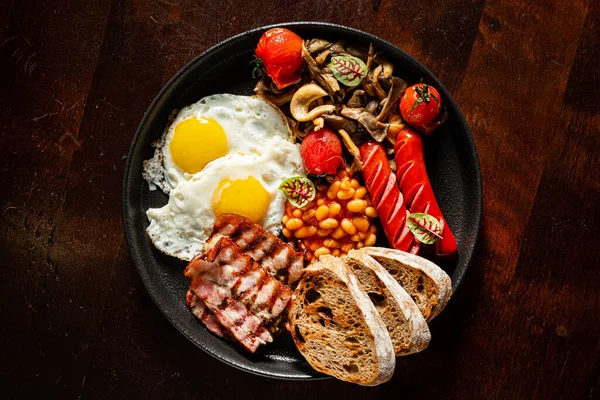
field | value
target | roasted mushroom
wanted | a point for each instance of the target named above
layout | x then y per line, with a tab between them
299	106
336	122
396	90
317	45
337	47
375	83
376	129
322	57
278	99
358	99
323	77
371	106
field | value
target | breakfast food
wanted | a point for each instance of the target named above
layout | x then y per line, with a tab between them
215	126
280	51
277	202
337	328
321	152
421	106
389	202
426	283
280	259
406	326
418	194
339	219
245	299
244	184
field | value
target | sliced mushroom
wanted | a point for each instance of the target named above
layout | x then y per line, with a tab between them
350	145
355	167
337	47
386	75
295	129
395	118
336	122
371	107
299	106
306	127
316	45
375	128
367	86
326	80
375	82
396	90
318	123
388	69
276	99
370	56
393	132
322	57
358	99
360	53
352	113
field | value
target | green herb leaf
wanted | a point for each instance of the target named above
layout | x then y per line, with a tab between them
426	228
298	190
348	70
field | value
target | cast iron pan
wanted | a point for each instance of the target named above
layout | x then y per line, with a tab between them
451	159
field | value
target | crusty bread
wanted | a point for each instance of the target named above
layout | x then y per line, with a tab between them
407	327
337	328
426	283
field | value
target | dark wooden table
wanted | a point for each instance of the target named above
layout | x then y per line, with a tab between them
76	77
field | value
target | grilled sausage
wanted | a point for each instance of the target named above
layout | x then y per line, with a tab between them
414	183
386	197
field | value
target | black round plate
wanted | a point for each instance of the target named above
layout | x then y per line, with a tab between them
451	161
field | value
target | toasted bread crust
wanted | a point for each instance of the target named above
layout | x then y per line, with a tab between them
370	352
410	320
439	280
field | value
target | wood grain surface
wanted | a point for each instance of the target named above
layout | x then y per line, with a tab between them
75	79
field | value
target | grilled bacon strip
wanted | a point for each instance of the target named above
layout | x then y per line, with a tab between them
200	311
279	258
386	197
244	298
414	183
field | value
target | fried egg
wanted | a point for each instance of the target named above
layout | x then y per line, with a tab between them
243	184
214	127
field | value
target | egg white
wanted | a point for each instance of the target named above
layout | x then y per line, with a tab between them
250	124
181	227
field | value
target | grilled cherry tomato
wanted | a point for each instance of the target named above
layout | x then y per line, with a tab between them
421	106
280	50
321	152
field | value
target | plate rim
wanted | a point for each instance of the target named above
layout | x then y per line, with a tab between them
126	186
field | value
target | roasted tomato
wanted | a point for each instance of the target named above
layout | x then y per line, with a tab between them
280	50
421	106
321	152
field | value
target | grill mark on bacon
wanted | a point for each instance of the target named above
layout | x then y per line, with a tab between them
241	230
276	257
217	277
286	267
200	311
249	296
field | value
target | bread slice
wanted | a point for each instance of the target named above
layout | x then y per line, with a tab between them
337	328
426	283
405	324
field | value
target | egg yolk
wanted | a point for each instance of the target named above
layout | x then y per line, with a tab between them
196	142
246	197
